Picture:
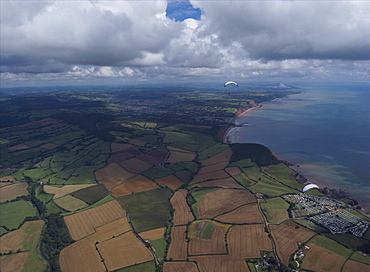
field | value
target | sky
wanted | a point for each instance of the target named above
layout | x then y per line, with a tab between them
128	42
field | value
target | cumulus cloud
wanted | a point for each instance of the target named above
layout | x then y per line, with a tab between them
135	40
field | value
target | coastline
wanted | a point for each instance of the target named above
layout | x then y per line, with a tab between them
229	138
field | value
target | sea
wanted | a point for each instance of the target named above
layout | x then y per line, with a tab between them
324	131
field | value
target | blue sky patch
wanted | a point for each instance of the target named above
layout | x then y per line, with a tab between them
180	10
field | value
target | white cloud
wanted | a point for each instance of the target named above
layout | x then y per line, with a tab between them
134	40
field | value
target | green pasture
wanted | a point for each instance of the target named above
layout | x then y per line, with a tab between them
155	173
347	239
185	176
37	173
211	151
206	231
92	194
173	136
285	175
357	213
2	231
275	209
356	256
185	146
13	213
148	210
159	246
96	204
143	267
243	180
271	187
51	207
192	166
331	245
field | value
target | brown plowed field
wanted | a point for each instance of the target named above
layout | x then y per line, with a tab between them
233	170
124	250
183	214
213	167
220	174
135	185
243	215
351	266
81	256
116	147
225	155
180	267
222	201
112	175
170	181
175	149
287	238
178	246
215	245
229	183
49	146
18	147
220	263
15	262
320	259
135	165
83	223
12	191
152	234
247	241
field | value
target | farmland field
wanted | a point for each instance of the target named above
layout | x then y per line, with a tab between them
246	241
70	203
134	185
245	214
12	191
170	181
180	267
124	250
112	175
135	165
287	238
351	266
82	224
91	194
229	183
12	214
152	234
27	240
148	210
64	190
221	201
178	246
182	214
81	256
213	244
320	259
275	209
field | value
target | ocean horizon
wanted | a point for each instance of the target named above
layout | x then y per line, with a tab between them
325	130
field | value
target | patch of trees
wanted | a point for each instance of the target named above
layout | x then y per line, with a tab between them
55	238
38	204
259	154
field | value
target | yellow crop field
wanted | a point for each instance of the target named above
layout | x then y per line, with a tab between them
182	214
70	203
152	234
84	223
124	250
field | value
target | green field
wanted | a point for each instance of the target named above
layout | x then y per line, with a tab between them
143	267
148	210
212	150
13	213
159	246
285	175
331	245
275	209
92	194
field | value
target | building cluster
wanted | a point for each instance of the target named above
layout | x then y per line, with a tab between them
307	205
342	221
